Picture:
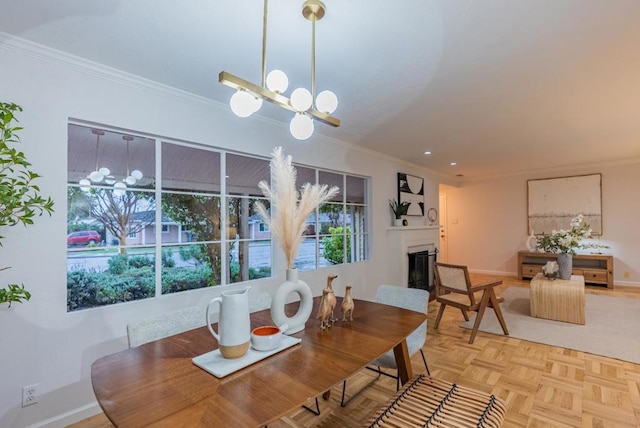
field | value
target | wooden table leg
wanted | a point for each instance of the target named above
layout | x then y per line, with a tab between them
403	360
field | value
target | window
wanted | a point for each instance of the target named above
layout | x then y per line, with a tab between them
249	246
203	199
336	233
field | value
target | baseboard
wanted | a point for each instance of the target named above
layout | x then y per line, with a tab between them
626	283
71	417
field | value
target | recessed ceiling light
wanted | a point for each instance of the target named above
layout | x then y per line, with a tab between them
427	152
453	163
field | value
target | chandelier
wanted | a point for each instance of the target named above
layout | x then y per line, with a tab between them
248	97
104	174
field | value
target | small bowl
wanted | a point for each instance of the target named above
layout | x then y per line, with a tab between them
267	337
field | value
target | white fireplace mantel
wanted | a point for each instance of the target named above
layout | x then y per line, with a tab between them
402	240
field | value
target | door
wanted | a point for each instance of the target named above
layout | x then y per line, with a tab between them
443	249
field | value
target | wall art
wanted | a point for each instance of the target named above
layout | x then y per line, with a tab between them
411	189
553	202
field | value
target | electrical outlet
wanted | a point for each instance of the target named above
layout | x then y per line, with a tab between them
29	395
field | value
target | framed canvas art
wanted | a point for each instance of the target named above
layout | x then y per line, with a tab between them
553	202
411	189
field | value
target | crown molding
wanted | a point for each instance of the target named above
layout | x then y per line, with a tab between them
63	59
82	65
559	170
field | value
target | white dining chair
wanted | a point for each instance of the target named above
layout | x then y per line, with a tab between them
160	326
414	299
149	329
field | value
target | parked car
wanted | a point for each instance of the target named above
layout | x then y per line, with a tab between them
83	237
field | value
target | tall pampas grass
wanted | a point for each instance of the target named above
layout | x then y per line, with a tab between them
289	207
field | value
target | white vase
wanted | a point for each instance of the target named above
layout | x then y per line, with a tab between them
532	243
565	265
297	322
397	222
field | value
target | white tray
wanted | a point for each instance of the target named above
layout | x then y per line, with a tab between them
217	365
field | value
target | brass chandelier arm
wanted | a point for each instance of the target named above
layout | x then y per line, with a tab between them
236	82
264	44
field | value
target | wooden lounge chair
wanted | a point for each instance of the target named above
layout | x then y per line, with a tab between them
454	288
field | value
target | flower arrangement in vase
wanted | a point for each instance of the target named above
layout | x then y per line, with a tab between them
566	242
287	222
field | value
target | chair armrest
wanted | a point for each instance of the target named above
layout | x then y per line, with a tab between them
485	285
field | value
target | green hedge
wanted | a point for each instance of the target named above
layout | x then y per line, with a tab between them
180	279
91	289
133	278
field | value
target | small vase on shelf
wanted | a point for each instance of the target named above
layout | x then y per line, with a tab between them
397	222
532	243
565	265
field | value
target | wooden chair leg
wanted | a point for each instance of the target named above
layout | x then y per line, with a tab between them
498	311
464	314
480	313
439	316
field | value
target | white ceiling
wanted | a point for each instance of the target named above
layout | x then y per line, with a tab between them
499	86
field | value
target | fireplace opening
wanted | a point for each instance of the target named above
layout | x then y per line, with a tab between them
421	269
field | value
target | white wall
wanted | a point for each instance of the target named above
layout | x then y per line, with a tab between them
42	343
487	220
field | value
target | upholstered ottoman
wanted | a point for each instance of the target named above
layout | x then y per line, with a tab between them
559	299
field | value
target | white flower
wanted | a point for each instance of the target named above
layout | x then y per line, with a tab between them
567	241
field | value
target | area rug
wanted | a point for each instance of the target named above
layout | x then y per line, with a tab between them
612	326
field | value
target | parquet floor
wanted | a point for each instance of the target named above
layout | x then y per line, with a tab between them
543	386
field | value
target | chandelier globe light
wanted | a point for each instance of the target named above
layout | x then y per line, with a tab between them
248	97
326	102
104	174
301	99
242	103
85	184
301	126
119	189
277	81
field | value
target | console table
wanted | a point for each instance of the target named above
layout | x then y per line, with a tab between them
597	269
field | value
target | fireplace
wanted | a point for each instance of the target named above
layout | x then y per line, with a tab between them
409	240
421	269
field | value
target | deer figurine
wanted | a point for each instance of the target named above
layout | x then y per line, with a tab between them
324	310
332	295
347	305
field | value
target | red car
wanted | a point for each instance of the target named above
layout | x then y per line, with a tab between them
83	237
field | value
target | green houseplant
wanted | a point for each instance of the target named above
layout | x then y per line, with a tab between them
399	209
20	199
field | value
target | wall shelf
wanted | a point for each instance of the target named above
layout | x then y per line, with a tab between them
597	269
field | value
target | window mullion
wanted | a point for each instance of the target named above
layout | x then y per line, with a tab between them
158	218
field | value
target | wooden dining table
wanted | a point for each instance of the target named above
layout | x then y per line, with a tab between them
157	384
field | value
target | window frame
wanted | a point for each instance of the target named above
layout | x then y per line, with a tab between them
159	246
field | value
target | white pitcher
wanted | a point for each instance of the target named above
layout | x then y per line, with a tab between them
234	327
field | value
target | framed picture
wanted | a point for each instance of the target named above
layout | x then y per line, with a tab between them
411	189
553	202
